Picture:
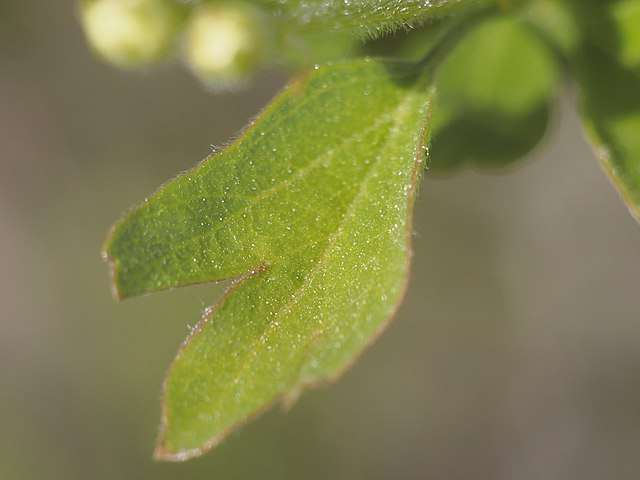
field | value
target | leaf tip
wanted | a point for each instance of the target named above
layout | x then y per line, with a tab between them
289	399
113	266
164	452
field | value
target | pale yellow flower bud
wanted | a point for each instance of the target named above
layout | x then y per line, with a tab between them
130	33
225	42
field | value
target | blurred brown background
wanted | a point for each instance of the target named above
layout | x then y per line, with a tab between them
515	356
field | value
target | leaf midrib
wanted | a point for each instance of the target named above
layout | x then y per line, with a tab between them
321	262
256	201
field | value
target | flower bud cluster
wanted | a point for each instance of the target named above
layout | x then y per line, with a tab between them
222	42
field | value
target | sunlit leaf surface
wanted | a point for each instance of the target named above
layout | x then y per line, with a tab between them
309	210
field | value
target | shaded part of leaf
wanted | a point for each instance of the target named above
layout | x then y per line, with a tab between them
494	94
613	26
610	95
488	140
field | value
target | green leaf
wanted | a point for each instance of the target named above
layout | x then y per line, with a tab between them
370	17
613	26
606	65
554	21
494	92
310	212
611	113
626	17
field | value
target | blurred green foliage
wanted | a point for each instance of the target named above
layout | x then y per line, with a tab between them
495	91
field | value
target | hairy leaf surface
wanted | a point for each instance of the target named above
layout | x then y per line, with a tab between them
310	211
370	17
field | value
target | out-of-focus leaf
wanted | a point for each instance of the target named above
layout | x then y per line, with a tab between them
613	26
494	91
606	65
626	18
310	211
611	113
